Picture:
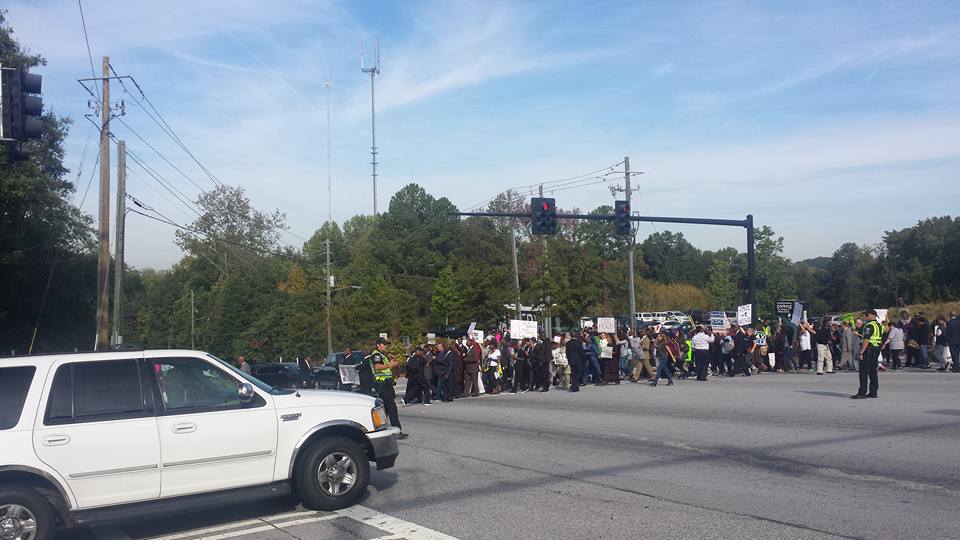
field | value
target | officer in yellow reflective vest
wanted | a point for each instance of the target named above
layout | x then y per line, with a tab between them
870	354
382	367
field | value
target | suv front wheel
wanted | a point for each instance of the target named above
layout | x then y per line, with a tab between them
25	515
333	474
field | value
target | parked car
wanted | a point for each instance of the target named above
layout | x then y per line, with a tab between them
110	436
669	326
645	316
660	316
678	316
281	375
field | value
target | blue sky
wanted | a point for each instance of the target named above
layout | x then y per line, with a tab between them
829	121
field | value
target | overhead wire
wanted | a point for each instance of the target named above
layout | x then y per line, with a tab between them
86	38
532	188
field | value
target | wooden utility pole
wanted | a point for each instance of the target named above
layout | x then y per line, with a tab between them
118	250
513	250
103	272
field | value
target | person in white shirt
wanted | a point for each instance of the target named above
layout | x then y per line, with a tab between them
804	339
701	351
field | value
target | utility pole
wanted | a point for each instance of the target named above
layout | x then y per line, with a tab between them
513	251
193	316
118	250
630	243
103	271
373	71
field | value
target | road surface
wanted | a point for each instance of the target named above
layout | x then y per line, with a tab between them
769	456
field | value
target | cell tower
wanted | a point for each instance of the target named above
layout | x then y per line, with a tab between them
373	71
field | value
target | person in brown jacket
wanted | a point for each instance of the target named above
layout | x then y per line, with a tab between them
471	369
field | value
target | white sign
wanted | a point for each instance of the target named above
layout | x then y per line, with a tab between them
745	315
477	335
473	326
383	335
431	339
349	374
606	324
522	329
797	313
881	314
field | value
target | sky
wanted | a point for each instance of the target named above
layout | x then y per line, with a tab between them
829	121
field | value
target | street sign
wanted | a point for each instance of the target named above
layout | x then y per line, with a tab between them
785	307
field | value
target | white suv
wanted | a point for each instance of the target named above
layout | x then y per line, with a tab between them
113	435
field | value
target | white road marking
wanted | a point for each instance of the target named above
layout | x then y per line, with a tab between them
396	527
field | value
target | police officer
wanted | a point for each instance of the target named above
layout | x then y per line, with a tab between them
870	356
382	367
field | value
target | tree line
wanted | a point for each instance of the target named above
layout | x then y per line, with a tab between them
238	290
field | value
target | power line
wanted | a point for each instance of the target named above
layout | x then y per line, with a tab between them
93	171
83	21
162	123
529	189
164	158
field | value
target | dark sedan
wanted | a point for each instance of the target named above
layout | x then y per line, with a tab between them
283	375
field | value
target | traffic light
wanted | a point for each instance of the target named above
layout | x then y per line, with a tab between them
20	108
621	219
543	216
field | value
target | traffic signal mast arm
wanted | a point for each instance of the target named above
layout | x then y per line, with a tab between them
543	215
612	217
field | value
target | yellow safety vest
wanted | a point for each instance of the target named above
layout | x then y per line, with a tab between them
385	374
877	336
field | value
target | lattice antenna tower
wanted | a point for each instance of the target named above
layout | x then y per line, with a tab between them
373	71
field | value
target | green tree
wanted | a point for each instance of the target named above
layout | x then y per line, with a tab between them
722	285
43	239
447	300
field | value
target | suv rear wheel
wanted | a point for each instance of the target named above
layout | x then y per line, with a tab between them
25	515
333	474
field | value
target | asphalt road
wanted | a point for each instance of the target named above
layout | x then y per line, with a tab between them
770	456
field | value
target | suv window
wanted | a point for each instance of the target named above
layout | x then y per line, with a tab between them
14	385
97	391
192	384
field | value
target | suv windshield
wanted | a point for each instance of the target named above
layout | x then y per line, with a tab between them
275	390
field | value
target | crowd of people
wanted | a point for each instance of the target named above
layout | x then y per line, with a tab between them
463	368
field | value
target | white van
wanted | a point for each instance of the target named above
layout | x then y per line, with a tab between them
644	316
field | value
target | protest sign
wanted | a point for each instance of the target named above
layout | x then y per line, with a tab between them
606	324
718	321
522	329
349	374
745	315
797	314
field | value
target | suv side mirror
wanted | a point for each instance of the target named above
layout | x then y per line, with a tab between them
246	392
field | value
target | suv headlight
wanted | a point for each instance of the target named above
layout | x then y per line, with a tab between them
379	416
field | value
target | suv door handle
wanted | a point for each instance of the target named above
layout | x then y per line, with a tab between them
184	428
56	440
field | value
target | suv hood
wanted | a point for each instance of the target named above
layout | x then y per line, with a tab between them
323	398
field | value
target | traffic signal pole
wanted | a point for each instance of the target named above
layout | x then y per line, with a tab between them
745	223
630	242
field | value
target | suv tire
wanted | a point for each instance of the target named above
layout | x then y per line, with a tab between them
333	474
26	510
